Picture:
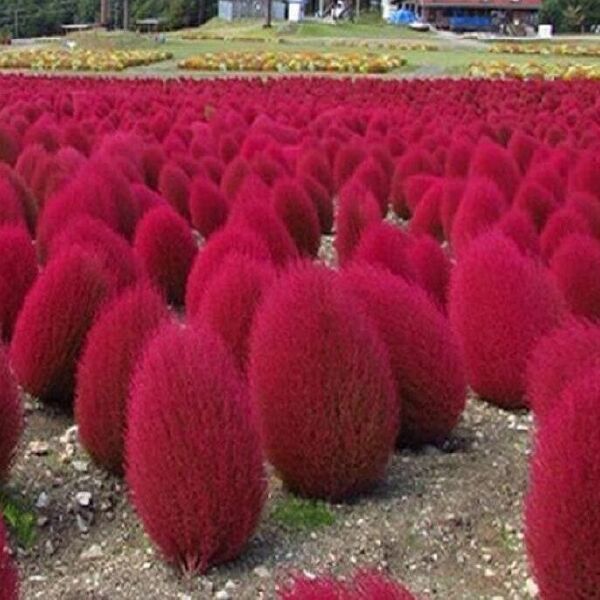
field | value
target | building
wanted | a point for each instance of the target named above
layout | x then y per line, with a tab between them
503	16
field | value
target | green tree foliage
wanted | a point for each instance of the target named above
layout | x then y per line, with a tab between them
25	18
571	15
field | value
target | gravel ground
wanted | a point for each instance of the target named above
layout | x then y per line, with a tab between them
447	521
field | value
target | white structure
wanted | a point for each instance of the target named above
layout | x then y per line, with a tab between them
294	10
545	32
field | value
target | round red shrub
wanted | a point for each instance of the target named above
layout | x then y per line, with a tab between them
346	162
357	211
233	177
385	246
112	349
500	304
414	189
427	214
9	576
537	201
11	417
559	358
174	186
51	327
588	207
10	146
194	464
233	239
562	224
165	245
322	202
322	387
111	249
208	207
481	206
424	354
11	212
364	585
313	163
562	509
231	300
576	268
372	175
452	193
458	158
297	212
518	226
18	270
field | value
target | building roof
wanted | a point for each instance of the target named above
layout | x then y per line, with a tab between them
497	4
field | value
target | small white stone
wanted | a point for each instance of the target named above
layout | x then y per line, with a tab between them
84	499
262	572
42	500
39	448
489	573
222	595
532	588
94	552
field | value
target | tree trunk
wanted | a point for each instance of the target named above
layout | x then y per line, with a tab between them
269	12
104	13
125	15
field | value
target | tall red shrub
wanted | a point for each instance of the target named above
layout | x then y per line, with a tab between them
501	304
562	510
11	418
194	464
560	357
165	245
426	218
357	211
52	325
313	163
562	224
297	212
322	202
424	354
174	186
231	300
322	387
112	349
208	207
537	201
9	576
234	239
18	270
576	268
347	160
518	226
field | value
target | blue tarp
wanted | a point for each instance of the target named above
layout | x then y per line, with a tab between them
402	16
472	22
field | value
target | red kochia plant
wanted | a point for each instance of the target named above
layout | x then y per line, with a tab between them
427	214
562	511
299	215
231	300
113	251
111	352
481	206
11	418
386	246
424	353
166	247
9	577
364	585
52	325
194	464
576	267
322	202
313	163
322	387
494	162
18	270
517	225
11	212
563	223
358	210
559	358
174	185
537	201
346	162
501	304
208	207
234	239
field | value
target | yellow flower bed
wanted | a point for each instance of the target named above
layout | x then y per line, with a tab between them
533	70
384	45
80	60
547	49
289	62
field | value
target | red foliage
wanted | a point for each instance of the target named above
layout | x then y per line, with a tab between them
427	214
233	239
523	148
322	202
562	224
576	268
458	158
347	159
385	246
174	186
365	585
10	146
585	175
165	245
559	358
112	349
588	207
452	193
314	164
18	270
153	159
424	354
415	187
297	212
432	268
28	202
112	250
146	198
231	300
501	304
261	219
11	212
518	226
208	207
9	576
11	418
481	206
233	177
537	201
52	325
322	387
372	175
194	464
357	211
562	511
